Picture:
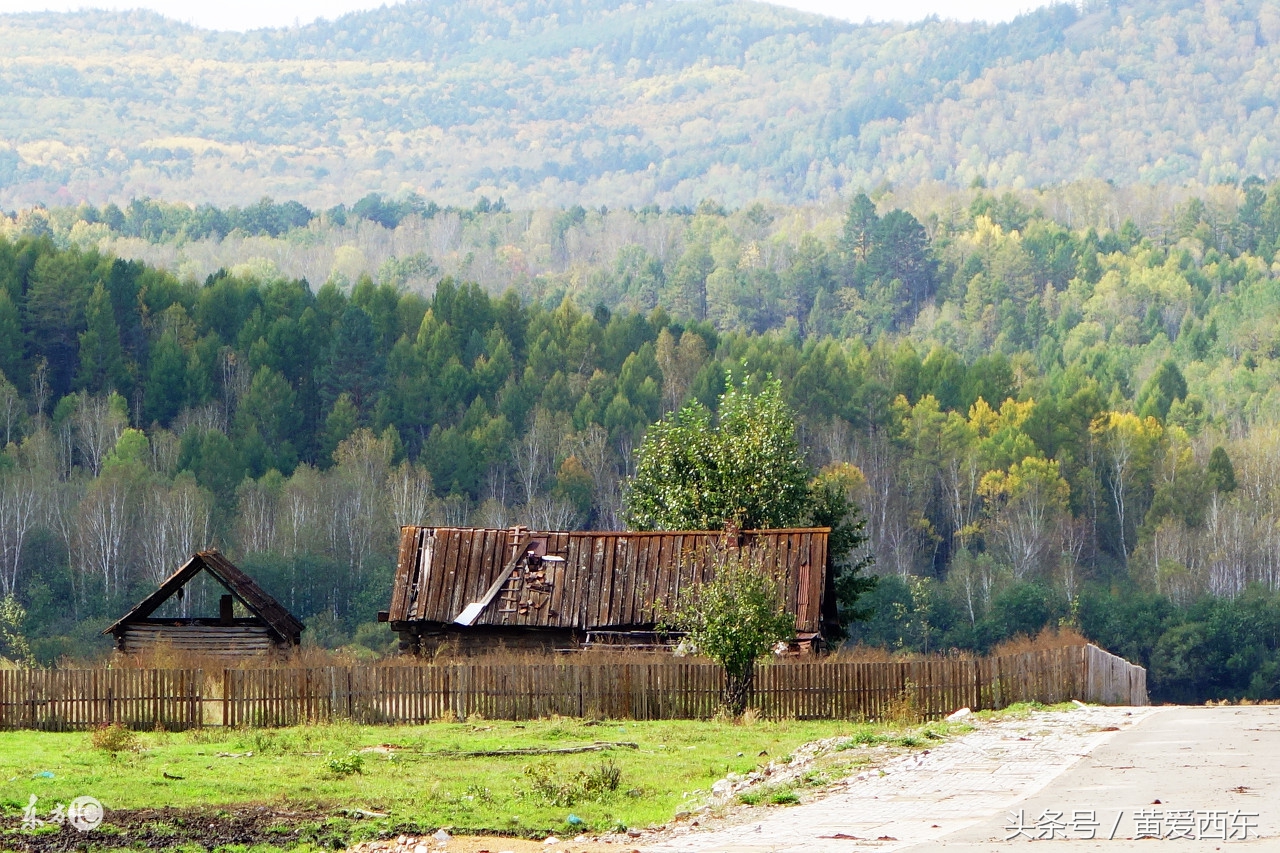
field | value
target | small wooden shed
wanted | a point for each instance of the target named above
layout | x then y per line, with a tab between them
481	588
267	628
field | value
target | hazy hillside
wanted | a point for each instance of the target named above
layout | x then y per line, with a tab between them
609	102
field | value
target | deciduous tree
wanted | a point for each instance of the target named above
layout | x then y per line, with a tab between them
735	618
742	467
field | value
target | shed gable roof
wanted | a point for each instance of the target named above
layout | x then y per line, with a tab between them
594	579
281	622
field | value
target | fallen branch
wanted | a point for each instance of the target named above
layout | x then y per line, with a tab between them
537	750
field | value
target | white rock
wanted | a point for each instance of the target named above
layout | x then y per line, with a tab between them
551	839
959	715
441	835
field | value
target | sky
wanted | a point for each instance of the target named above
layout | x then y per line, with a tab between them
250	14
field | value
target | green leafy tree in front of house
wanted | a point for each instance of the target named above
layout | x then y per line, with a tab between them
850	560
735	618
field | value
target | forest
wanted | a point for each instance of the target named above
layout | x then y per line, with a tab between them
1044	424
552	103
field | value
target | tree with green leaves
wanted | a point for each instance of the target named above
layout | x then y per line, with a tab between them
850	560
12	337
735	618
1165	387
166	387
742	467
859	229
13	643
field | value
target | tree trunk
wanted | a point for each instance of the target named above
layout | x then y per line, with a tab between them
738	690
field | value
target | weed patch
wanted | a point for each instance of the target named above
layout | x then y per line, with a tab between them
344	766
113	739
783	795
599	783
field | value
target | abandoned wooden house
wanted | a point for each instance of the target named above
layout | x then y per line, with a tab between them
477	589
262	626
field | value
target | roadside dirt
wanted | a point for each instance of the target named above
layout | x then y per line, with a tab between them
492	844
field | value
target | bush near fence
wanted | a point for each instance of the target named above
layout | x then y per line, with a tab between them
653	690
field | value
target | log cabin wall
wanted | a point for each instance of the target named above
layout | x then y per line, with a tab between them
236	640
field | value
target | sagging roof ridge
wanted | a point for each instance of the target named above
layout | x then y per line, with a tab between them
255	599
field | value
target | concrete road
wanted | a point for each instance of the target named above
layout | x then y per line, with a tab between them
1194	778
1092	779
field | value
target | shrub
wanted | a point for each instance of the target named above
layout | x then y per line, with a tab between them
346	766
114	738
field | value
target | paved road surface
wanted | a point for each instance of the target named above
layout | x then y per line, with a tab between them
1190	776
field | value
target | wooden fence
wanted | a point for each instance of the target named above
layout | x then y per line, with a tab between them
62	699
658	690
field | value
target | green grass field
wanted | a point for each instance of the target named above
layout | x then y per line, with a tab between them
310	784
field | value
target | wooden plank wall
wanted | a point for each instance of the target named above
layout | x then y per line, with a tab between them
658	690
225	640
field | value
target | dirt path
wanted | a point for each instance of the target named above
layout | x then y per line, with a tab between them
922	797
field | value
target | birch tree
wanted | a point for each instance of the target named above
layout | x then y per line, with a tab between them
11	410
1027	504
408	493
364	462
1129	445
174	525
257	502
98	424
19	510
101	528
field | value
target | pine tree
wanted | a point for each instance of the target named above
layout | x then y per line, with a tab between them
101	357
12	339
1222	474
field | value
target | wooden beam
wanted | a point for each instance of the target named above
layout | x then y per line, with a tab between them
473	610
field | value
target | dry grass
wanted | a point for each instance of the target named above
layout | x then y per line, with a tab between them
167	657
1048	639
307	657
879	654
164	657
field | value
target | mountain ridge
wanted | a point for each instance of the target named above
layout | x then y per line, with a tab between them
616	103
